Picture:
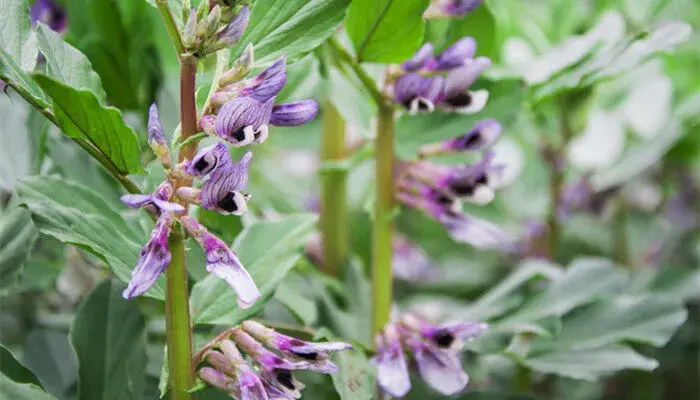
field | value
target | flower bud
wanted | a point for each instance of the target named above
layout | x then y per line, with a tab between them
240	69
213	20
189	34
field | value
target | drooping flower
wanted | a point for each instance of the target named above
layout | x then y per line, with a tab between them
456	55
223	262
392	368
442	371
418	93
419	60
293	114
156	139
153	260
208	160
222	191
316	355
233	32
457	96
483	135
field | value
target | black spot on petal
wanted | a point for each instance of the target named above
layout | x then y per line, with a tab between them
463	99
443	338
239	135
472	141
285	378
462	187
308	356
228	202
201	165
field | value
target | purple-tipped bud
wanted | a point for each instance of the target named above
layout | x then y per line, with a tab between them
153	260
189	33
222	192
456	55
231	362
461	8
409	262
420	59
234	30
222	363
457	97
315	354
208	160
483	135
216	379
223	263
48	12
156	139
207	124
439	369
417	93
244	120
293	114
269	82
392	369
275	369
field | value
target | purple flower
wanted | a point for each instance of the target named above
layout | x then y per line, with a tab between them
461	8
50	13
459	53
392	368
243	120
153	260
574	196
275	369
157	202
222	191
420	60
417	93
229	362
441	370
208	160
483	135
447	336
316	355
233	32
223	263
292	114
217	379
156	139
409	262
457	97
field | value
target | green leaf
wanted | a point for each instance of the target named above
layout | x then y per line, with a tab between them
108	335
17	238
590	364
481	25
80	115
506	99
291	294
14	370
268	249
355	379
11	73
21	391
387	31
584	281
68	65
290	27
650	319
49	355
16	37
74	214
16	152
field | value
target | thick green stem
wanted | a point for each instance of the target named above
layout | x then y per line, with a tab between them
383	219
177	317
334	227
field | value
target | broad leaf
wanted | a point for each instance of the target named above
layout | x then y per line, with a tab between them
49	355
481	25
21	391
17	237
292	294
387	31
16	37
14	370
74	214
80	115
355	377
651	319
268	249
108	335
290	27
13	75
590	364
68	65
16	159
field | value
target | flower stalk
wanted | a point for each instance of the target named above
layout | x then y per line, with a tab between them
333	220
383	219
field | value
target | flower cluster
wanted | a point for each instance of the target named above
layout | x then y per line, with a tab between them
439	190
429	81
436	350
274	356
213	27
237	113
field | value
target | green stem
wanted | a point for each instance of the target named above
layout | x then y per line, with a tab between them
556	177
366	80
177	319
171	26
333	222
94	152
383	219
